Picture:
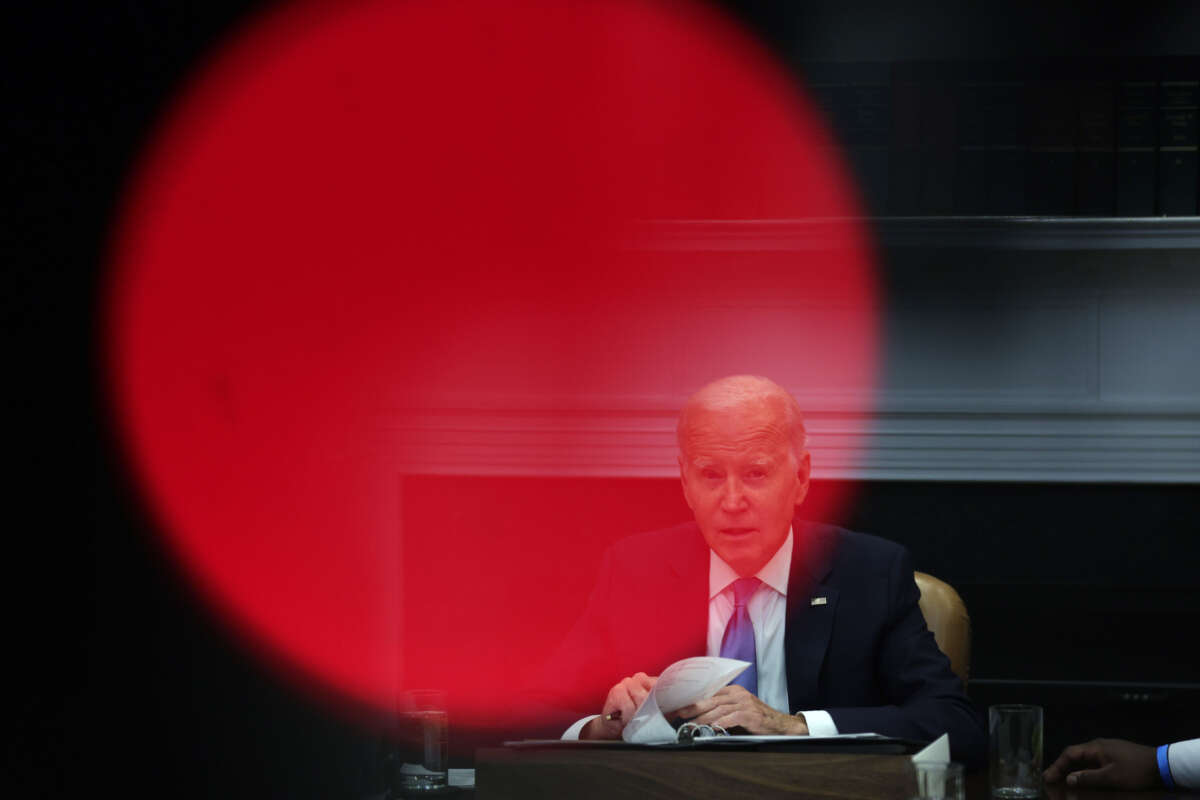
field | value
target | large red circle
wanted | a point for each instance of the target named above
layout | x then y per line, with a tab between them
359	206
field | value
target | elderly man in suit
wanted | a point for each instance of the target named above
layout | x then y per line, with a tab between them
828	618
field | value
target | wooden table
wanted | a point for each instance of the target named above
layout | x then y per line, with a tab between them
608	774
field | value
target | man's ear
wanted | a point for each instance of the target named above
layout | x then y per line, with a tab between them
803	473
684	482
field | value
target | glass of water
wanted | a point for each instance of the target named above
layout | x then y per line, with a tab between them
424	737
1015	750
937	780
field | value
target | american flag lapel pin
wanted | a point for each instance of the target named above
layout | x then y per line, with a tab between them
818	601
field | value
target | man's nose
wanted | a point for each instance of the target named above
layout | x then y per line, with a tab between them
733	495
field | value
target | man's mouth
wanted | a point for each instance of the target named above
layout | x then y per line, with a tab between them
736	532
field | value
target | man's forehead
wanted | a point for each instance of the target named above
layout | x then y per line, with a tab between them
742	423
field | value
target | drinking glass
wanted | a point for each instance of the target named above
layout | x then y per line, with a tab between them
937	780
1015	750
424	739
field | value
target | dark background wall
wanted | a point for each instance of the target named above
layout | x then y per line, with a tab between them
123	680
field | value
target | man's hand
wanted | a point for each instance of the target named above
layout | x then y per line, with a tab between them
1114	764
625	697
733	706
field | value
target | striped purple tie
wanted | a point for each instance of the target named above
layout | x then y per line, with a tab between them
738	641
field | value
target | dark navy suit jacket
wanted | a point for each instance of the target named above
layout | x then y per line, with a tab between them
864	654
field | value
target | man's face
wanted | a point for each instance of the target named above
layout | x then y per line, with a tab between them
741	481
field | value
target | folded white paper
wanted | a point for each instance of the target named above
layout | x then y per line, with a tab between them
937	750
681	684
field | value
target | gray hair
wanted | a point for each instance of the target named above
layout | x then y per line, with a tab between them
736	390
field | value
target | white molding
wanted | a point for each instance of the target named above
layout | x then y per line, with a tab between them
989	379
926	445
1078	234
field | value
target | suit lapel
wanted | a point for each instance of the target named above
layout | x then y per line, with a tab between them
688	592
811	605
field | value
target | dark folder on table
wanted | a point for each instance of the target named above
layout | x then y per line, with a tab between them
854	743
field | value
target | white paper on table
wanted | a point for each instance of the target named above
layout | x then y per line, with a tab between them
460	777
681	684
937	750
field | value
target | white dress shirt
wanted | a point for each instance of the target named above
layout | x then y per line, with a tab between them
1184	760
768	613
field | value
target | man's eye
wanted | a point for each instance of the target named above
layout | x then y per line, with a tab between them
756	474
709	474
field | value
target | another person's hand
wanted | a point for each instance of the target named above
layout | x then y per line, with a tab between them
735	707
1106	763
625	697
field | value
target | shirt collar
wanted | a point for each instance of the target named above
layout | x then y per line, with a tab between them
774	573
